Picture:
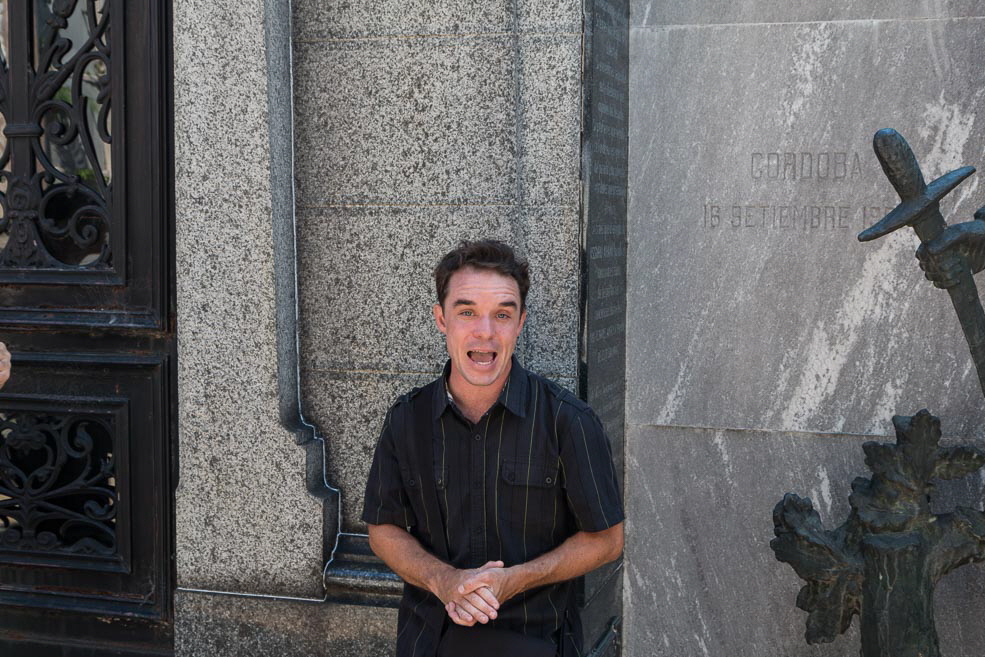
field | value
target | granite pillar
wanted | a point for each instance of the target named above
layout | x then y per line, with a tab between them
251	501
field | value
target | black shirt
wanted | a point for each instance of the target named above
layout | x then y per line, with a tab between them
531	472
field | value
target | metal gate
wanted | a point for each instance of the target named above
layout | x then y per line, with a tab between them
86	308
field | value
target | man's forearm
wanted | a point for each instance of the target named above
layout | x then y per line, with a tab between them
581	553
405	556
415	565
578	554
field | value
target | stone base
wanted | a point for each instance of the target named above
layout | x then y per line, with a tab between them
208	625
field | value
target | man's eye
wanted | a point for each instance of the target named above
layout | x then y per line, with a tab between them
503	315
466	313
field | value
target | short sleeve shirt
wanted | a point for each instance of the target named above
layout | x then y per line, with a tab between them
535	469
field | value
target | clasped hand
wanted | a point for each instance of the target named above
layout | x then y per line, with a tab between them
475	595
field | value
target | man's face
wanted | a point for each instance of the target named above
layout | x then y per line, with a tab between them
481	319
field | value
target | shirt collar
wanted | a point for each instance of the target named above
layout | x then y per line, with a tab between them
514	395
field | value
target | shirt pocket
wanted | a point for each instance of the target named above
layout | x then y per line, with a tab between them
529	488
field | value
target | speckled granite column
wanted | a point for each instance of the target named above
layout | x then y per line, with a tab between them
764	342
245	521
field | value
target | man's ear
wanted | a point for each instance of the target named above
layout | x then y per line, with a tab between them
439	317
523	318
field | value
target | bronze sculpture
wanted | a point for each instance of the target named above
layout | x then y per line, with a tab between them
884	561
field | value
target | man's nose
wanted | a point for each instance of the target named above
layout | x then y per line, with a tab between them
482	327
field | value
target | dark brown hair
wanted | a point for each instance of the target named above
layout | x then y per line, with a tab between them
483	254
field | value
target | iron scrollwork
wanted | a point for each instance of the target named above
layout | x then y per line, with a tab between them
57	483
55	168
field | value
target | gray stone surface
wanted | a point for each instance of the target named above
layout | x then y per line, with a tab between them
314	20
435	120
700	576
226	626
785	323
362	308
349	407
406	121
244	520
550	126
661	12
366	285
549	342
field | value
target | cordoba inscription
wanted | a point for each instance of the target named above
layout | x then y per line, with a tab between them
817	168
836	165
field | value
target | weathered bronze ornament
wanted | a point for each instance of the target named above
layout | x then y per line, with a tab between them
884	561
919	207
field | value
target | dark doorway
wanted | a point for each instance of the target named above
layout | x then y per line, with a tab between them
87	420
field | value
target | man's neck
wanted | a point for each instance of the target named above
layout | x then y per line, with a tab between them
474	401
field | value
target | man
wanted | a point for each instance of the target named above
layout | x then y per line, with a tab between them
4	364
491	488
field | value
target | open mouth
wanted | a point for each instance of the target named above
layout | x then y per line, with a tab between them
482	357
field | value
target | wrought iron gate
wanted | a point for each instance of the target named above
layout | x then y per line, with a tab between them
86	308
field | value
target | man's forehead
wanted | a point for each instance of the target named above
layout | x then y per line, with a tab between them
469	284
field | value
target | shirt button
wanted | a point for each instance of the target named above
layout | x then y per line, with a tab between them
478	437
548	480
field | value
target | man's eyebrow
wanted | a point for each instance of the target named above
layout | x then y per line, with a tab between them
468	302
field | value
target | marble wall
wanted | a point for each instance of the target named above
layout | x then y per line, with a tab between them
764	343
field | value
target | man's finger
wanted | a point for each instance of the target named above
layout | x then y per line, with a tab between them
455	616
468	611
482	605
464	615
490	598
474	583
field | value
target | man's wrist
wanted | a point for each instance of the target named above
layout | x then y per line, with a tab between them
437	580
519	578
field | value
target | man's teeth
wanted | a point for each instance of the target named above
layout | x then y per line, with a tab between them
482	357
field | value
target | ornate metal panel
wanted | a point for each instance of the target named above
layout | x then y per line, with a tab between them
56	189
61	468
86	308
85	490
84	112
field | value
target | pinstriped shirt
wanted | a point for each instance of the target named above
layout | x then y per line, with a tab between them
535	469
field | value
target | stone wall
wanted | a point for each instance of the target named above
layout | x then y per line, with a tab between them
413	125
765	344
251	500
